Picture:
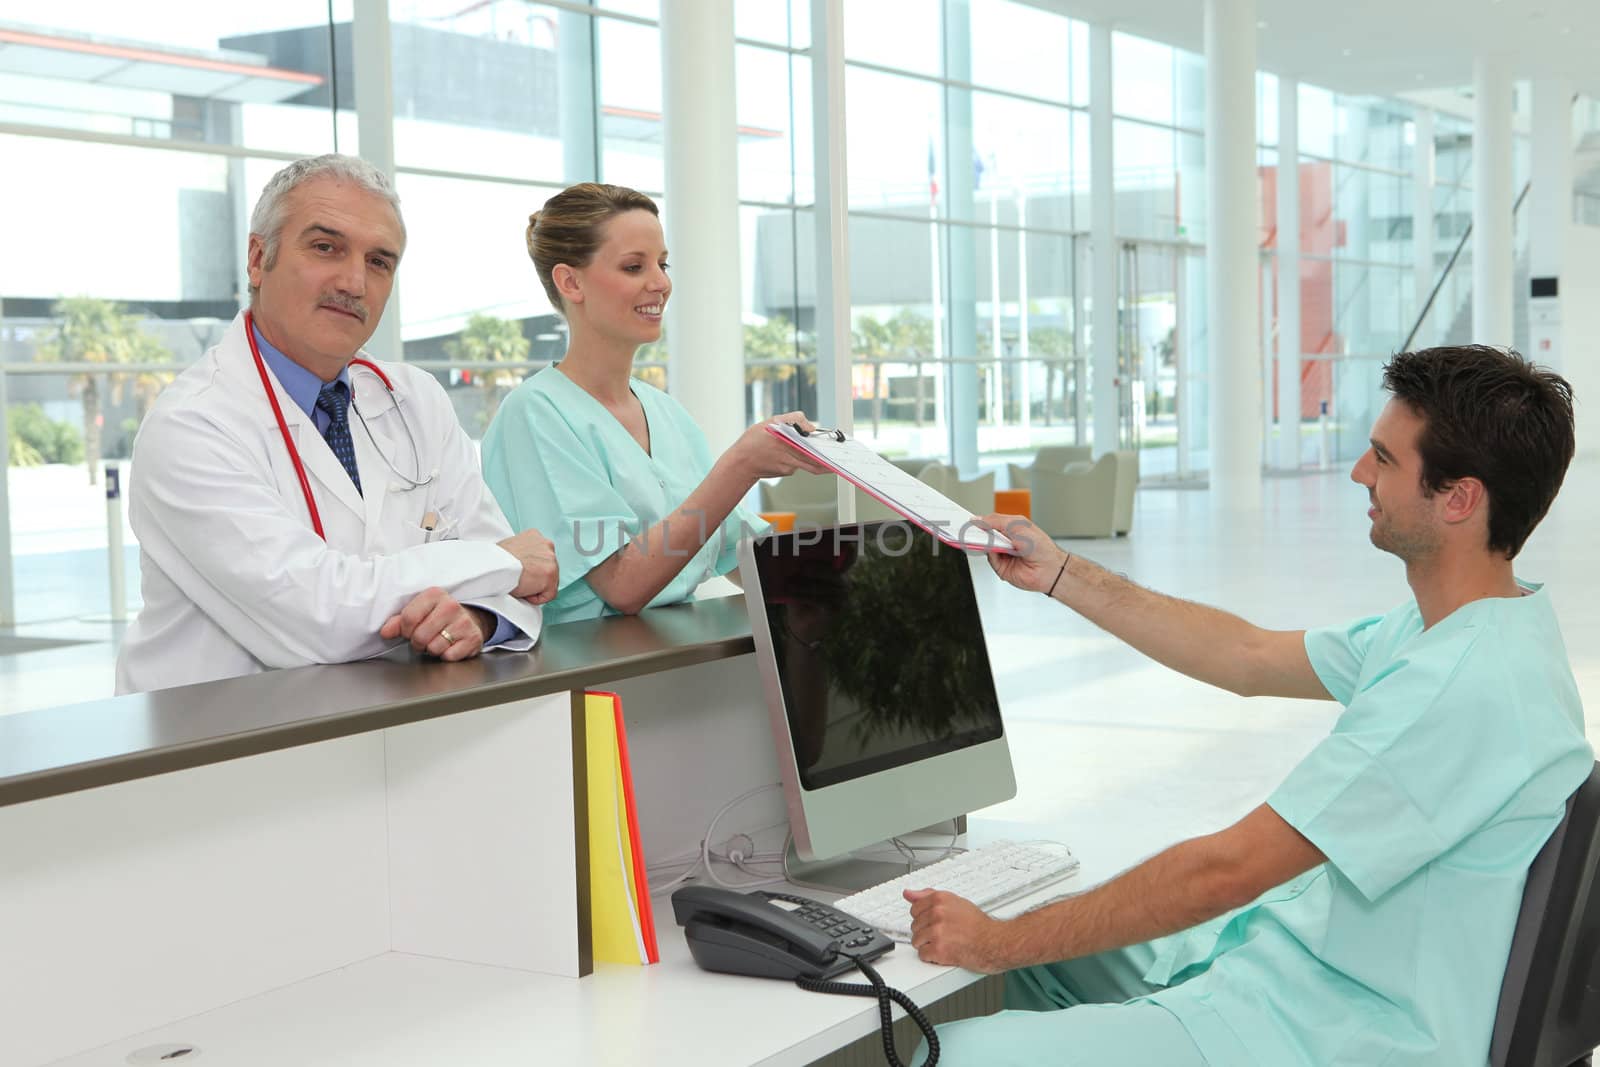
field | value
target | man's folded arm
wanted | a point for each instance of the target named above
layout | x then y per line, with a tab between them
266	578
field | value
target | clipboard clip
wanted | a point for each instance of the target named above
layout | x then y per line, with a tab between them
823	431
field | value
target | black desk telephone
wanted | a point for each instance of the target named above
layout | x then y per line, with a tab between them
771	935
778	935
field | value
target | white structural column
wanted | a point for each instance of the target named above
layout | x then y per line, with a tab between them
373	55
832	216
8	586
1549	215
580	140
961	374
1103	242
705	343
1550	199
1231	264
1288	457
1422	223
1492	198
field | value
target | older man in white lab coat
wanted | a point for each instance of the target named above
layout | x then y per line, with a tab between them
298	504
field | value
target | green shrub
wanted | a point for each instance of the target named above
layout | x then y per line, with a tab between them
36	438
21	452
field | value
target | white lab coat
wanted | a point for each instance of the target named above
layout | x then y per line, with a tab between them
235	579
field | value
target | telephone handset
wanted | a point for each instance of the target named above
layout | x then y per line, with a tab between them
772	935
779	935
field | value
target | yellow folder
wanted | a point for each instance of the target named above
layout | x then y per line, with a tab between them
623	928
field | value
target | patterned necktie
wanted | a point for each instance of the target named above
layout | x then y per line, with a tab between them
334	400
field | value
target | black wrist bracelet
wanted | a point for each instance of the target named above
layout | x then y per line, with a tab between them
1059	573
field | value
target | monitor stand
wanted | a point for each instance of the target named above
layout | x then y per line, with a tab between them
843	874
850	874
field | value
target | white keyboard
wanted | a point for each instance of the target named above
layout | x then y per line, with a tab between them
990	877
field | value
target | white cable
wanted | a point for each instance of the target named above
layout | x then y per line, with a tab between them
657	889
711	832
702	859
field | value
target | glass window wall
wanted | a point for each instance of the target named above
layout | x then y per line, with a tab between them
969	172
193	107
480	89
969	175
258	76
1022	49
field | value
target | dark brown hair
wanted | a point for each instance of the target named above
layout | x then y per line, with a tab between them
570	227
1489	414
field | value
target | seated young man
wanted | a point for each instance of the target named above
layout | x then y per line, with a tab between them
1363	914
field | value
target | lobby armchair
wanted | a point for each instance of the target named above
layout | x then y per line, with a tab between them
976	495
1080	501
812	497
1049	458
1127	482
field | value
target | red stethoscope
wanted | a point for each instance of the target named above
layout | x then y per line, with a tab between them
288	439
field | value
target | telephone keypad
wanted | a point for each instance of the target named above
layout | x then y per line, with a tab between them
834	923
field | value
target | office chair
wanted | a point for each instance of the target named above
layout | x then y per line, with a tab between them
1549	1013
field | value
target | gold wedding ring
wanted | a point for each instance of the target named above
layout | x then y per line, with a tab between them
445	633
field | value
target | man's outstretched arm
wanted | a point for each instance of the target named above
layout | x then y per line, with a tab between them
1187	884
1205	643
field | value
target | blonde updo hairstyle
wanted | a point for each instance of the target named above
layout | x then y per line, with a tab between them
571	227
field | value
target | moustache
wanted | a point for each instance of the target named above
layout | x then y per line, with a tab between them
344	303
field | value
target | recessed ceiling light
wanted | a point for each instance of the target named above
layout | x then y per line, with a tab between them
1348	51
1420	78
1261	24
1566	31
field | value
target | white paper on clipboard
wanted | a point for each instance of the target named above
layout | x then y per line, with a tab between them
916	500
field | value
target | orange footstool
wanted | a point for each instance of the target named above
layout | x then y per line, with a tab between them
1014	502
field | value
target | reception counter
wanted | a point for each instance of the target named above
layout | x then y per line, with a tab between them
174	855
53	751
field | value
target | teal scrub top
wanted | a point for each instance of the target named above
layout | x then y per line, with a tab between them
1448	769
558	461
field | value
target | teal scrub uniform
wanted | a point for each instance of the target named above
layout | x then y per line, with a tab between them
559	462
1445	774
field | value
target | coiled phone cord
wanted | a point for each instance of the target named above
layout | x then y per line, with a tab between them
884	994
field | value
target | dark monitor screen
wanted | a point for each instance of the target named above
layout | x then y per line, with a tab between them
878	646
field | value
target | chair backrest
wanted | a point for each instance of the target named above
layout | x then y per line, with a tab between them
1127	483
1055	457
1080	501
912	465
812	497
1549	1012
977	495
797	489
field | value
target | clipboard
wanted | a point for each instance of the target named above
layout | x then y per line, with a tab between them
883	481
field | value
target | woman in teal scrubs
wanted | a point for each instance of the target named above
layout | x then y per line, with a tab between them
613	469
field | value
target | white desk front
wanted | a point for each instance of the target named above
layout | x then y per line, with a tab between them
374	864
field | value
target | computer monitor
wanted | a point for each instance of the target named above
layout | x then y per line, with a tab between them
878	684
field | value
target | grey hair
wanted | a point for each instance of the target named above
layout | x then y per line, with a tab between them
266	221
